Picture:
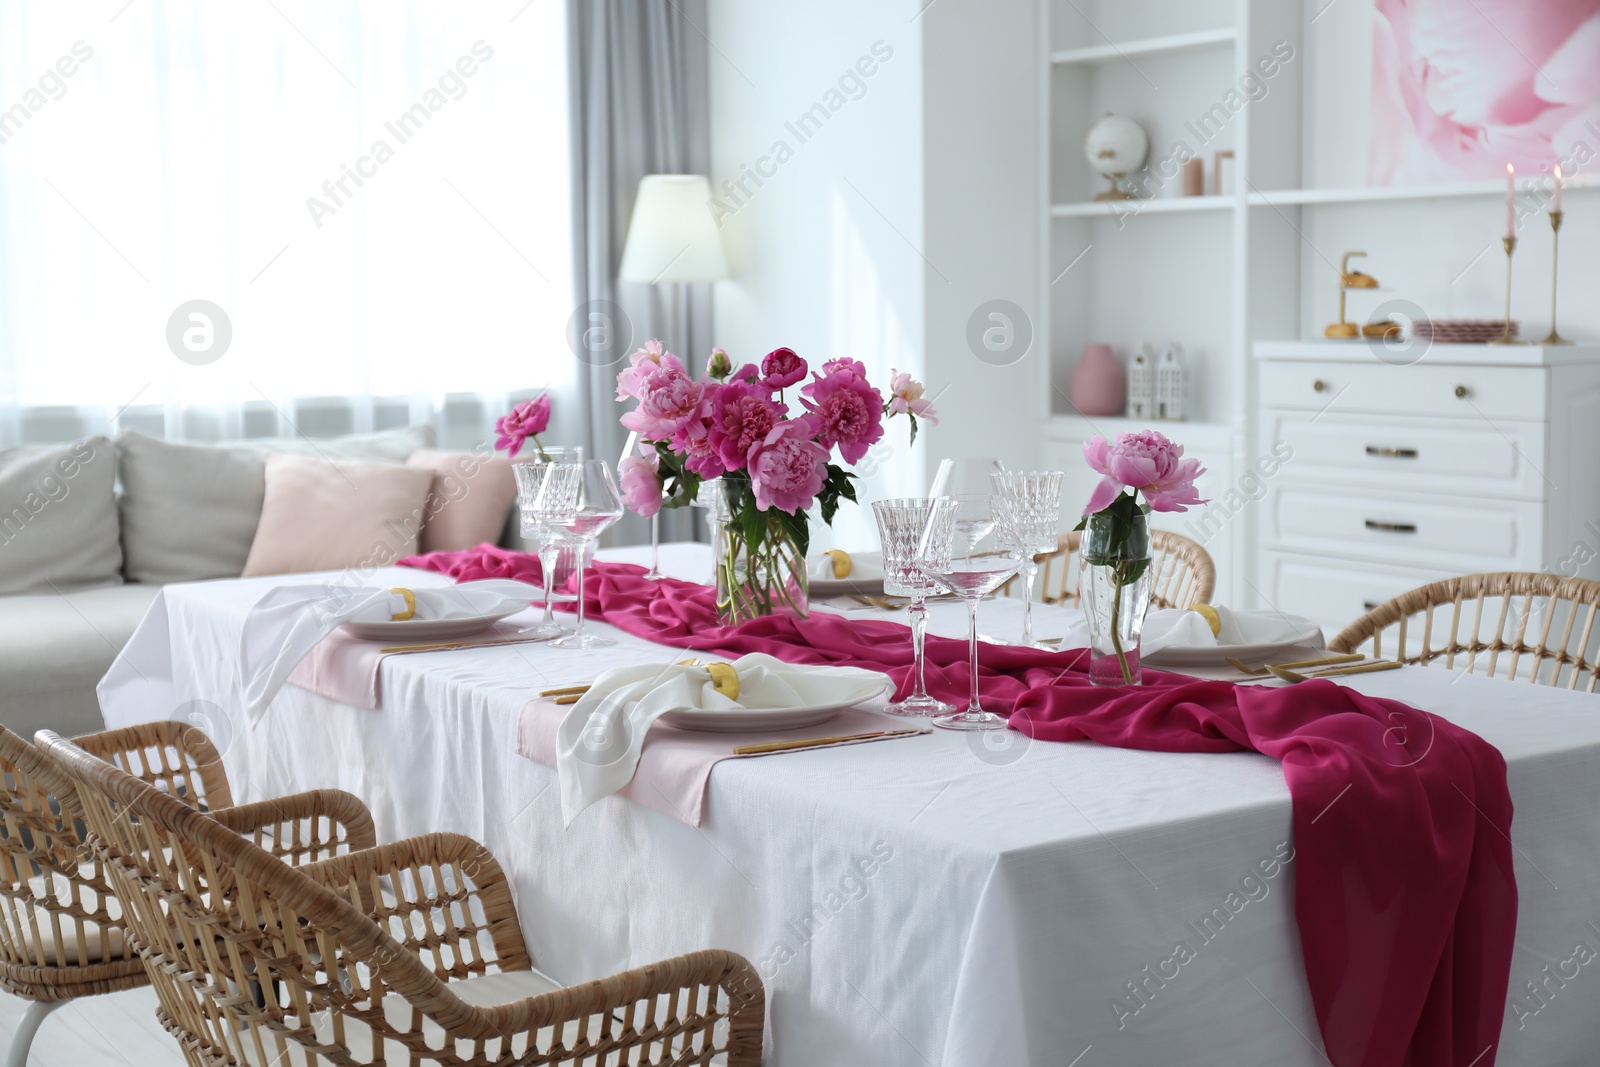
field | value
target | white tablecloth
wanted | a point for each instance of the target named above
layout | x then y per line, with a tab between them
954	899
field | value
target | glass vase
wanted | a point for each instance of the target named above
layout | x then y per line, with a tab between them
1114	584
761	567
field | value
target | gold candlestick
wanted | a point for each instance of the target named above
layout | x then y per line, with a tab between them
1506	338
1553	338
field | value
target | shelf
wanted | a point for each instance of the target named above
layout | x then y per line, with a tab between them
1146	46
1363	194
1357	351
1121	209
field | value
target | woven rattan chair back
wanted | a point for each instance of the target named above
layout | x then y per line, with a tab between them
171	755
1181	571
256	962
1530	626
61	928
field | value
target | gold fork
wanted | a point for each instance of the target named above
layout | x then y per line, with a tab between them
1332	672
1350	657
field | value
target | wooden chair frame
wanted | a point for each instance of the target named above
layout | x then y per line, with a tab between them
1181	571
354	956
1539	593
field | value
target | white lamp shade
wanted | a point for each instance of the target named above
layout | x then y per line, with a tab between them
672	237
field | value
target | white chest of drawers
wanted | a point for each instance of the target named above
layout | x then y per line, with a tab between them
1403	470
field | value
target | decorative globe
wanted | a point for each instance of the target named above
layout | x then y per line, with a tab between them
1116	145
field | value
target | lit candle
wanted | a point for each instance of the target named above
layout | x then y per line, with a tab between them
1511	201
1558	187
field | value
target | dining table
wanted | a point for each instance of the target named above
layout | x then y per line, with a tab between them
948	898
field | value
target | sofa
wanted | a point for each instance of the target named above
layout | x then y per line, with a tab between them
91	531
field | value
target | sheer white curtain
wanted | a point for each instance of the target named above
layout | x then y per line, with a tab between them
374	194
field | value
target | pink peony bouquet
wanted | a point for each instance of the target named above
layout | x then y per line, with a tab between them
522	423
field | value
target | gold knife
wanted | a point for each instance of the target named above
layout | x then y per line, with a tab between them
816	742
461	644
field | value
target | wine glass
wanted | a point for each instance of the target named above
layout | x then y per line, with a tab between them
595	505
536	496
1028	506
970	569
901	522
973	515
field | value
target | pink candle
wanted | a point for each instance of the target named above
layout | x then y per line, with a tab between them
1558	187
1511	201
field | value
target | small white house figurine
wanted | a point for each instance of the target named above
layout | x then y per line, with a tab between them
1142	384
1171	383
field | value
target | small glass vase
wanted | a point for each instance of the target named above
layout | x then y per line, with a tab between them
761	569
1114	582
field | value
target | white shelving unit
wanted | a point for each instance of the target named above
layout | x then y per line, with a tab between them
1223	274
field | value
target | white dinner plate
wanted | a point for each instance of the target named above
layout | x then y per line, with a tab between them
410	630
1218	655
827	588
756	720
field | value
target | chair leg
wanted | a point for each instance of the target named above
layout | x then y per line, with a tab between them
22	1040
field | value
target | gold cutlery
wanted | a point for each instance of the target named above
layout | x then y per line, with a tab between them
817	742
436	645
1332	672
724	679
1349	657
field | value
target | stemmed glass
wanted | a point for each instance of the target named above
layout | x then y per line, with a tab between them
1029	510
538	496
593	507
901	523
971	569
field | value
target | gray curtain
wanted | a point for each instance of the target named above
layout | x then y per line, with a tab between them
640	105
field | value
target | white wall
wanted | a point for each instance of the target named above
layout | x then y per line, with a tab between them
883	230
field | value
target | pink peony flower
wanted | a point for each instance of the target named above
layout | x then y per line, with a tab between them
787	468
640	365
668	398
1147	463
641	483
847	409
528	419
906	398
782	368
742	414
695	441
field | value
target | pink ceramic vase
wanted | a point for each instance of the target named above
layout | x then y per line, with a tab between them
1099	386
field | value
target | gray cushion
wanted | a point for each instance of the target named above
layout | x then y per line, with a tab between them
189	511
54	648
58	518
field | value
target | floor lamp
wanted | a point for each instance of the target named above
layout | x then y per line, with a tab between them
672	239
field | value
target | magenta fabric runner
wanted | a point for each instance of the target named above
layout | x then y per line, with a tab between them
1404	893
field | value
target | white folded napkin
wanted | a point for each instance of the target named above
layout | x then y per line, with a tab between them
864	567
286	624
599	742
1182	628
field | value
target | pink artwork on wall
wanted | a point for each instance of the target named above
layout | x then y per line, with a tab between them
1460	89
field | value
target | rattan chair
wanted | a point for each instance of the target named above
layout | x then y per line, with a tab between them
61	931
1528	625
435	971
1181	571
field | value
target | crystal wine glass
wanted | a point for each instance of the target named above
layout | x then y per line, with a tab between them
595	506
535	495
971	569
1028	506
901	522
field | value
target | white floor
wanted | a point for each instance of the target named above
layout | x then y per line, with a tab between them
117	1029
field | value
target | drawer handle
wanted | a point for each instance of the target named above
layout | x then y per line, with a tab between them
1392	527
1461	392
1319	385
1397	453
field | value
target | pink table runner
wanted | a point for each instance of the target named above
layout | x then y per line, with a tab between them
349	670
675	765
1405	893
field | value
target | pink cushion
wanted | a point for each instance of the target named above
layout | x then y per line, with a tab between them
469	499
322	515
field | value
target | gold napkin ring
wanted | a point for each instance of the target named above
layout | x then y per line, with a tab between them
724	679
1209	613
840	559
411	604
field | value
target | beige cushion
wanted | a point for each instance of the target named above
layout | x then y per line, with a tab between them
321	514
65	952
469	500
54	648
190	511
58	517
